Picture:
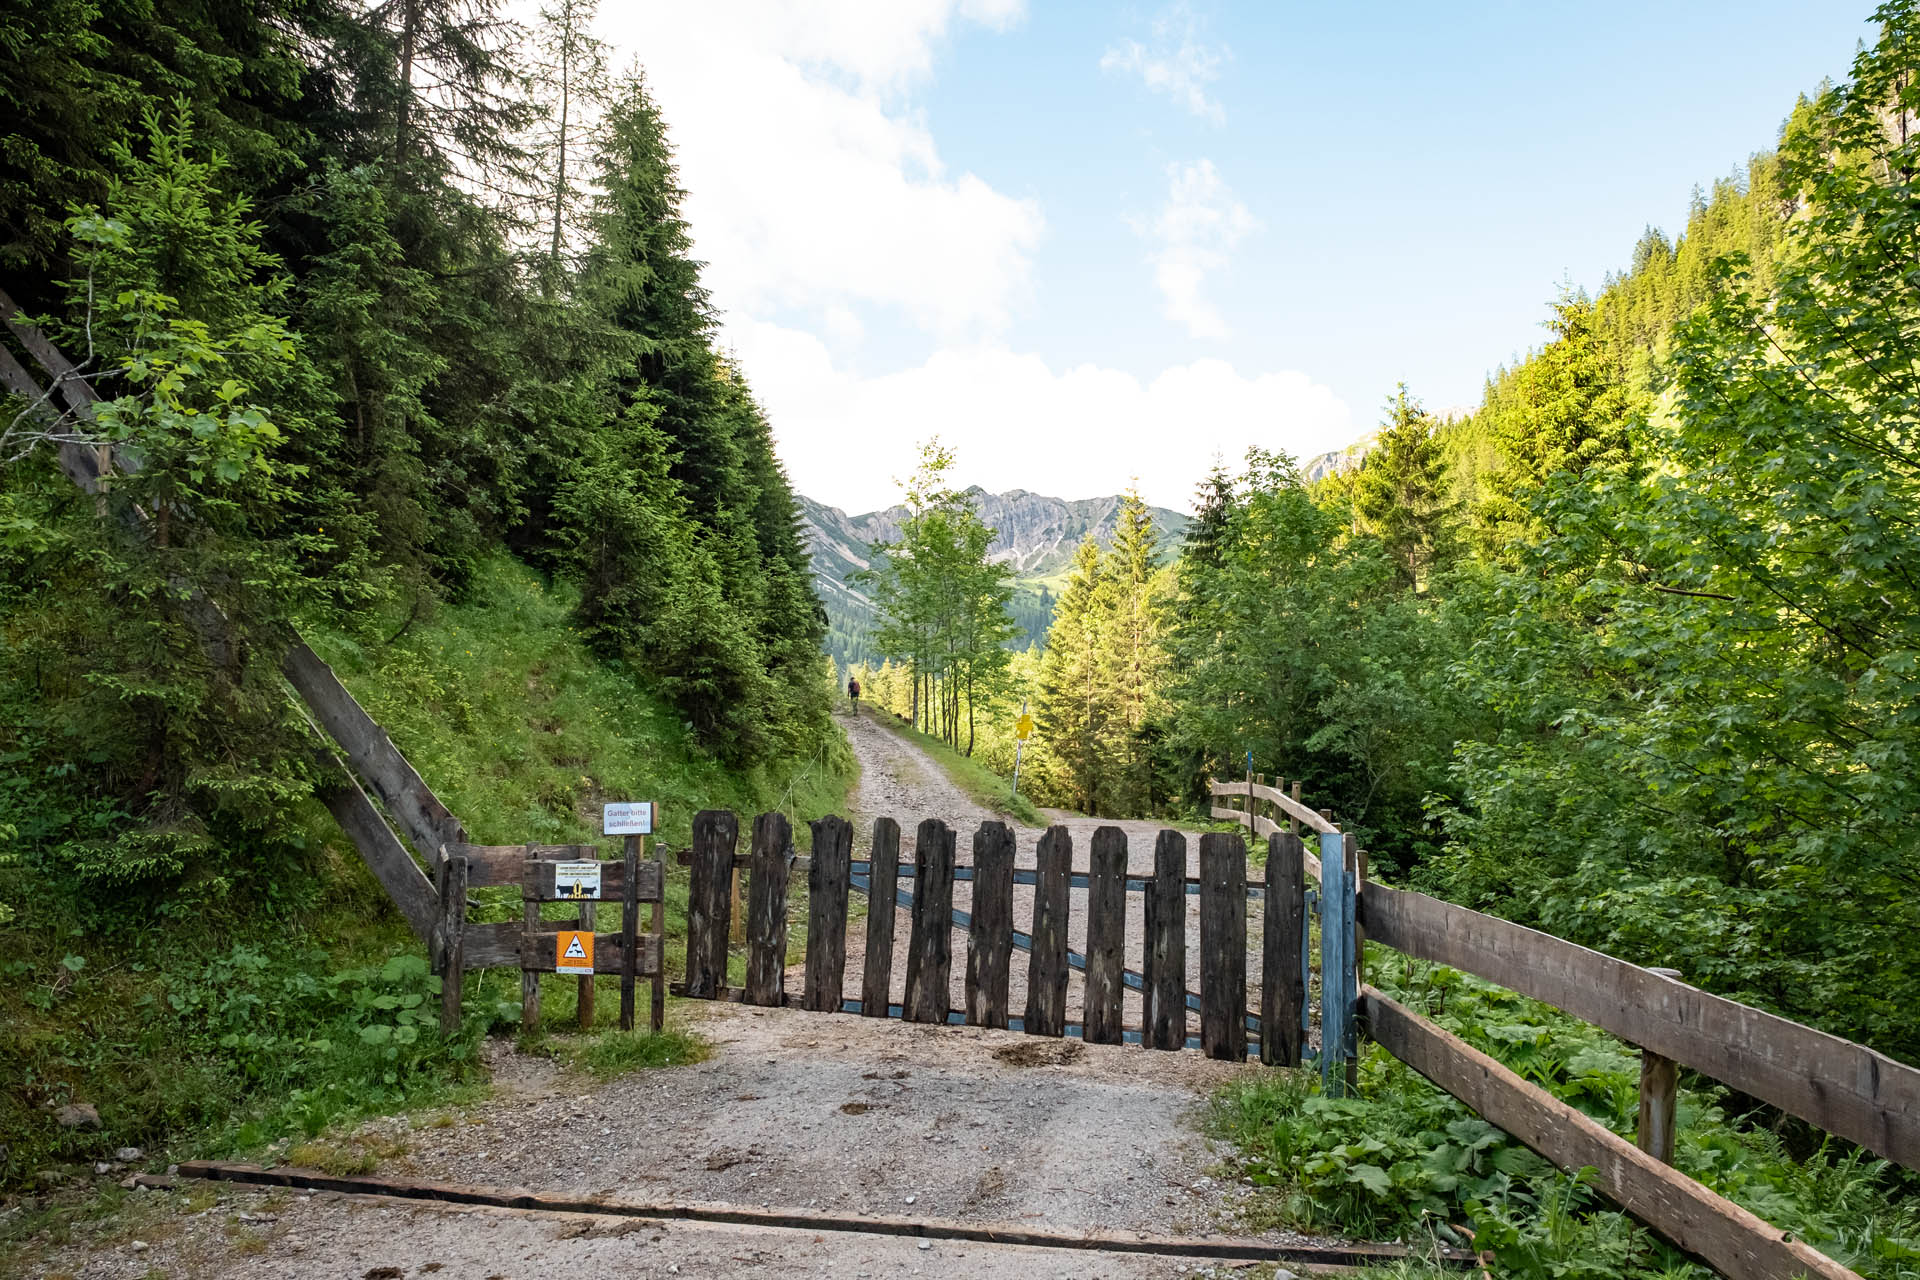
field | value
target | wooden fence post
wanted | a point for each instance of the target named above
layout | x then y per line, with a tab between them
883	880
715	834
1223	946
827	877
1337	992
990	937
583	1012
771	859
657	926
629	926
529	935
451	955
1100	1020
1283	986
1659	1095
1047	970
930	946
1165	976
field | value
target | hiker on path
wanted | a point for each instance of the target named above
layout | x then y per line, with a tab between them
853	691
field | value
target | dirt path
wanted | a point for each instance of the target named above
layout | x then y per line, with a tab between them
900	781
792	1111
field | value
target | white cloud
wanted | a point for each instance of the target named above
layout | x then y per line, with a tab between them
1017	422
809	184
1178	63
818	198
1201	221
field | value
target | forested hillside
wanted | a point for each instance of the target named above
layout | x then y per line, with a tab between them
390	308
1628	651
367	314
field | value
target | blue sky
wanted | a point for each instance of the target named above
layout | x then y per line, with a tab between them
1084	243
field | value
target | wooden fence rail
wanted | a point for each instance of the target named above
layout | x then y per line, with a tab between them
1842	1087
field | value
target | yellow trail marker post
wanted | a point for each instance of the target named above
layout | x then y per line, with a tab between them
1022	730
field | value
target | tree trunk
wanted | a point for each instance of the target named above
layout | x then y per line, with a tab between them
409	34
969	716
560	167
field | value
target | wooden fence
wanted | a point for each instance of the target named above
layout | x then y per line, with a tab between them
1841	1087
1226	1026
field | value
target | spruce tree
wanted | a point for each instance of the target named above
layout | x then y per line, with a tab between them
1135	652
1400	494
1075	706
1570	415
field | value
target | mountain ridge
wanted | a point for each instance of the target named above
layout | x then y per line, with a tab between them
1033	533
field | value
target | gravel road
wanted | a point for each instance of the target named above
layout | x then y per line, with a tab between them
791	1111
900	781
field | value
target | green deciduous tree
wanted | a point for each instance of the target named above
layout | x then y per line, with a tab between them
942	604
1712	644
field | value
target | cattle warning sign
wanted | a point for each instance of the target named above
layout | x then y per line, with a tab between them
573	952
576	880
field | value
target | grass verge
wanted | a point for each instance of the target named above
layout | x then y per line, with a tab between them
215	1018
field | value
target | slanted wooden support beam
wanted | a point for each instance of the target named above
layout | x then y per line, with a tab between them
422	818
1844	1088
1726	1237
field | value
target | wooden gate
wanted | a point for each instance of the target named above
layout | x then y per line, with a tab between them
528	944
1113	904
